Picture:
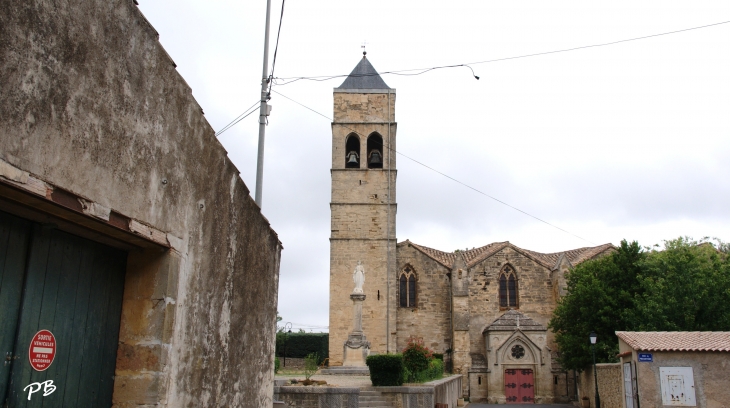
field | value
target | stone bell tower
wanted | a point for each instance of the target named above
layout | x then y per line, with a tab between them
363	209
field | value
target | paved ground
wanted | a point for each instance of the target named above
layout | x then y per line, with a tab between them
337	380
475	405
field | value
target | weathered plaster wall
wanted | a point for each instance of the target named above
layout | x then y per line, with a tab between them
710	370
93	104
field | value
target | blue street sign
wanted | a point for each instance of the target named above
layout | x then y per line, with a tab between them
647	357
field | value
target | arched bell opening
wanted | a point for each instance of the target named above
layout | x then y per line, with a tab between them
375	151
352	152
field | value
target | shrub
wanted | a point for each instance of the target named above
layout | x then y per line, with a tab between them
386	369
277	364
435	370
299	345
416	356
310	365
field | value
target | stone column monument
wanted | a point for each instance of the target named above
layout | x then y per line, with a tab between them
356	348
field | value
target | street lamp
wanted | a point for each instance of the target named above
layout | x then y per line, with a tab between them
593	338
286	342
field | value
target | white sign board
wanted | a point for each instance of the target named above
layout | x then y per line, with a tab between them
678	386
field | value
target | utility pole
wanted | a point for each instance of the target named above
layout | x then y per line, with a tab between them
264	111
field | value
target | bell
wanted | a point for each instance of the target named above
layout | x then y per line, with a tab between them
352	158
375	157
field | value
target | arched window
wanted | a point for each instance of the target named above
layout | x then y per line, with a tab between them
352	152
508	288
407	287
375	151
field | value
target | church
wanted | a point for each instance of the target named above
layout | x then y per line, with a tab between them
486	309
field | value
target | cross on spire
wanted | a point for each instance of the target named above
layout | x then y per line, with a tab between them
363	45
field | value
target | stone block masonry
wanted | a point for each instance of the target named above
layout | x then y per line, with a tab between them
363	213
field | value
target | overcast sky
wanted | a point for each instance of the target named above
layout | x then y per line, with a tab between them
626	141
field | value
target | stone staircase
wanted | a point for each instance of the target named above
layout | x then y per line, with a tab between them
370	398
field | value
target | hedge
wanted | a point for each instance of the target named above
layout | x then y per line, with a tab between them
300	345
386	369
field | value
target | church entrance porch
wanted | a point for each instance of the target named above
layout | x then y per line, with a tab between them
519	386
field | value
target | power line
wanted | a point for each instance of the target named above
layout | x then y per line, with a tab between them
420	71
444	174
237	119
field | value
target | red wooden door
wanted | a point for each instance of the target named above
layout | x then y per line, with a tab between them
519	386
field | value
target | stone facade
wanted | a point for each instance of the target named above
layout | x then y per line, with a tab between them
363	218
457	294
101	137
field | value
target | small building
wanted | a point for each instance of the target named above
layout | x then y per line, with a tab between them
684	369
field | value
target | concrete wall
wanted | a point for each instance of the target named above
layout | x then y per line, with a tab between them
93	105
317	397
609	385
446	391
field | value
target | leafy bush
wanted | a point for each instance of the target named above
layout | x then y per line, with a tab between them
386	369
310	365
277	364
438	356
416	356
435	370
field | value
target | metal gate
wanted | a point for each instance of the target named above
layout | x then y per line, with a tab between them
519	386
72	287
628	386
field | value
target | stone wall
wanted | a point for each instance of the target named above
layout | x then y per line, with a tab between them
431	319
317	397
535	293
609	385
92	105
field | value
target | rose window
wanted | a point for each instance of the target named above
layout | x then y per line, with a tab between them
518	351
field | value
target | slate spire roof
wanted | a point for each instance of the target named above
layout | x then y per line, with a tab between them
364	76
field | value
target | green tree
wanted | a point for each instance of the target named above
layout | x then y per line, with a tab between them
600	298
682	286
686	287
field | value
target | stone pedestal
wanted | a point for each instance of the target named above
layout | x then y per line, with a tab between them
357	347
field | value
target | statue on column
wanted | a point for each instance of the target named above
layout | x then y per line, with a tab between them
358	276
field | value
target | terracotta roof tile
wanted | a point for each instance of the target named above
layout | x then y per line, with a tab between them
677	341
476	255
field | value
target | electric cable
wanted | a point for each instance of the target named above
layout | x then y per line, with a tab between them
276	48
420	71
444	174
237	119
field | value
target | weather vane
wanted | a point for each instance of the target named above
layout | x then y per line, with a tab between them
364	44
